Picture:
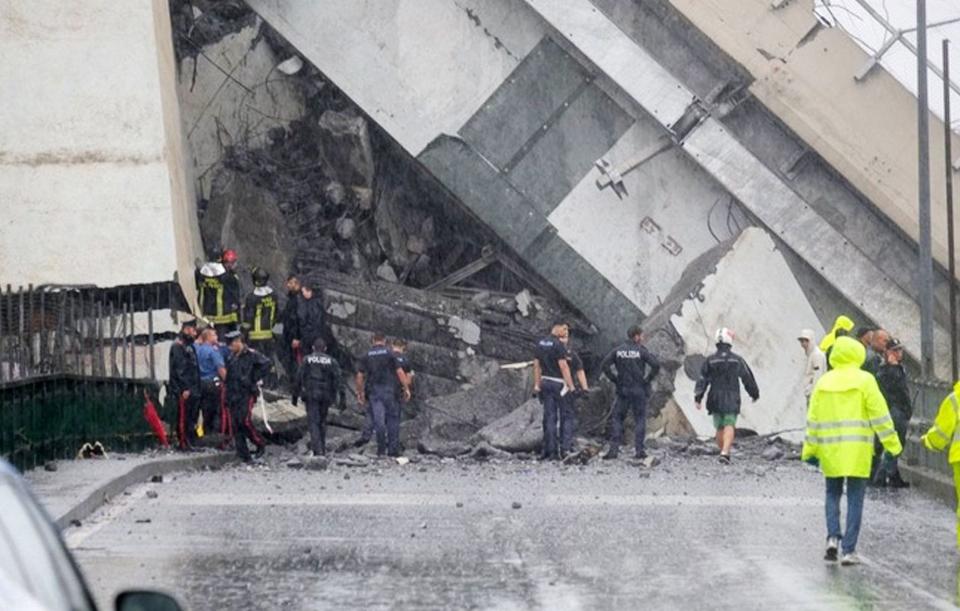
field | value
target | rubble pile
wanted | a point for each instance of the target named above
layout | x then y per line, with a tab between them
295	178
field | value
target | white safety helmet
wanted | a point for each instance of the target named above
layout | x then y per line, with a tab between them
724	336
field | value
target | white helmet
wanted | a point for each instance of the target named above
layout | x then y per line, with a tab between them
724	336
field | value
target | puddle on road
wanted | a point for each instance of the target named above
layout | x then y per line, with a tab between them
307	579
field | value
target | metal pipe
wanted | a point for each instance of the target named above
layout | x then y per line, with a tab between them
925	262
133	337
948	156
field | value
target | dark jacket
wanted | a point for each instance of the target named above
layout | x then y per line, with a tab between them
318	378
549	352
184	370
379	365
218	294
289	318
632	368
310	321
722	373
244	370
892	380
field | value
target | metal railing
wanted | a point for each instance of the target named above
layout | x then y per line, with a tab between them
75	362
927	396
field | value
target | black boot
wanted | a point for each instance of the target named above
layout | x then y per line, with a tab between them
612	454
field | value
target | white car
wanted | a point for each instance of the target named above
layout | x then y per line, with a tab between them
36	570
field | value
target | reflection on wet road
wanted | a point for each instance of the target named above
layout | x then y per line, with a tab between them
434	535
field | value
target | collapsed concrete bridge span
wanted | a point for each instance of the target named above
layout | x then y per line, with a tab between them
523	109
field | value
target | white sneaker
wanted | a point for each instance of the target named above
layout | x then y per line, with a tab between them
833	543
850	559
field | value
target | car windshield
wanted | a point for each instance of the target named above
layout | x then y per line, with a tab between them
35	570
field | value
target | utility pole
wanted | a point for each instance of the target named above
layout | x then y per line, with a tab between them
948	163
925	271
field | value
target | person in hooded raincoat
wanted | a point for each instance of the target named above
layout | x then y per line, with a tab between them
944	434
846	410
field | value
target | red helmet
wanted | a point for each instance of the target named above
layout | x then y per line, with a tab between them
229	256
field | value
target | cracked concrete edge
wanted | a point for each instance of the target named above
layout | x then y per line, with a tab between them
135	475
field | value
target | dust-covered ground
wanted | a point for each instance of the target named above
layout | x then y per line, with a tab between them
514	534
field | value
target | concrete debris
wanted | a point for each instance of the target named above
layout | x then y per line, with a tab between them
352	460
519	431
484	451
152	494
464	329
650	462
346	228
50	465
156	479
517	505
385	272
523	301
773	452
582	457
429	444
294	463
403	460
291	65
316	463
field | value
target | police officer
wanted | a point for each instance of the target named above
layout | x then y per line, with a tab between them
631	367
289	319
722	373
568	409
319	383
551	382
184	384
399	347
380	368
245	371
259	316
219	292
310	320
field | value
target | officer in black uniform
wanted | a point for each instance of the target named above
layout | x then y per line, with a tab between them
310	320
319	383
245	371
289	320
259	316
184	384
568	409
632	368
551	382
379	367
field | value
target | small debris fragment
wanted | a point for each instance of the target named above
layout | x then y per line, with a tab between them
152	494
650	462
156	479
291	65
402	460
773	453
459	504
517	505
76	523
294	463
144	521
50	465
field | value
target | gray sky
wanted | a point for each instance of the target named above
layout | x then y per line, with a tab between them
899	61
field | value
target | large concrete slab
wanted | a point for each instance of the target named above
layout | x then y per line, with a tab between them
804	73
419	68
752	292
92	164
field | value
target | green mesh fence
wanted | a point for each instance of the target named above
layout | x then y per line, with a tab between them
52	417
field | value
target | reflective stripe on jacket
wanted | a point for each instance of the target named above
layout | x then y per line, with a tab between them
945	431
846	410
260	312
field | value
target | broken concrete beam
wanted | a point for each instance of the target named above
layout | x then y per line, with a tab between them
345	144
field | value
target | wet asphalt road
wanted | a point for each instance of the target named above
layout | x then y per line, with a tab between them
688	533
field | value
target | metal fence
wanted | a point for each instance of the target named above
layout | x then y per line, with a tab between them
927	396
75	362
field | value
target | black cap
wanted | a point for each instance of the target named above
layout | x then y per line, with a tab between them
894	344
232	335
189	323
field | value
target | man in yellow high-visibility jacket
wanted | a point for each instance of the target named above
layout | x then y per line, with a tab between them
946	432
846	410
